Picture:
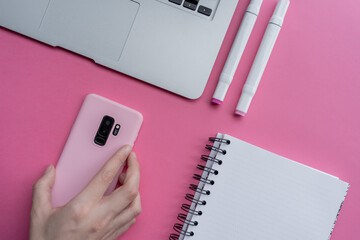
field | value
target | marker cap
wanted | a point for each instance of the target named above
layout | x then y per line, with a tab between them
254	6
244	103
280	11
220	92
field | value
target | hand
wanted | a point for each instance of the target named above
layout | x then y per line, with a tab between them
90	215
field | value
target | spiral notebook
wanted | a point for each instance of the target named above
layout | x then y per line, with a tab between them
245	192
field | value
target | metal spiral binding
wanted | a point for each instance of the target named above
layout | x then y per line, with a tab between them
187	208
212	148
204	180
195	188
182	218
206	169
208	158
190	198
221	140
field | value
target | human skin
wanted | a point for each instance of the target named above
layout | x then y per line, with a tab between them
90	215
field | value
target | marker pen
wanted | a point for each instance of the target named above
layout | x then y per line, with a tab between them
237	50
262	57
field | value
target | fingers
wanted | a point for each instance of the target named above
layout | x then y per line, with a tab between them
122	178
118	232
125	219
132	177
131	212
95	190
42	190
126	194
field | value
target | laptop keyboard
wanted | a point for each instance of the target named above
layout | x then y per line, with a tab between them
193	5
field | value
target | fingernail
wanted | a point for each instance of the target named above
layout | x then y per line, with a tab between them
128	148
48	169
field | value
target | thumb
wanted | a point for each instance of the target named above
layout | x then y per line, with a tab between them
42	190
122	177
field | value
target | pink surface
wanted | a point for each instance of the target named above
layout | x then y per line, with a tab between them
306	108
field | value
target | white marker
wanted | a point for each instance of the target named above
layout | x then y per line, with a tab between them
262	57
232	62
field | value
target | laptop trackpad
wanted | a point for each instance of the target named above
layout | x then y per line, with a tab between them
94	28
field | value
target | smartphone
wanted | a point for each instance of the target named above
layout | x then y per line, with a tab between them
100	129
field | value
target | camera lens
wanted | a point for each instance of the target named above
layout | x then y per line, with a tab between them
104	130
100	141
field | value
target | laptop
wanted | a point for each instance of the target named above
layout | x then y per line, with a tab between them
171	44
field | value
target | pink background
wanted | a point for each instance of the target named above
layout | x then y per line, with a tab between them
306	109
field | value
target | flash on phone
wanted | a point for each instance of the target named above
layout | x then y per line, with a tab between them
116	129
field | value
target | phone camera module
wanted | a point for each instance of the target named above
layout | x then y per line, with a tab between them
104	130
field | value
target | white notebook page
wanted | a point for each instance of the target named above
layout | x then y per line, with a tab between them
259	195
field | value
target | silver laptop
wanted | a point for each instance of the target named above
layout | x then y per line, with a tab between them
172	44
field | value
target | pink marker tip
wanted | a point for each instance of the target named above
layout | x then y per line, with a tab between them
216	101
239	113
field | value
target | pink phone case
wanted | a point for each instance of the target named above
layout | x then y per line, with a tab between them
81	158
